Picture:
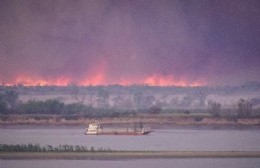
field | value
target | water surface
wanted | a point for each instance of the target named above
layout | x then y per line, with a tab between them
179	139
142	163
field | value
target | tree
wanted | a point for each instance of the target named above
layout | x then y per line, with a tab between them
186	101
3	106
11	97
154	109
137	98
244	108
91	93
77	94
201	97
8	99
50	106
214	108
103	98
53	106
148	101
117	101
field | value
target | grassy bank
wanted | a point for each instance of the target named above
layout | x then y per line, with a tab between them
36	151
114	155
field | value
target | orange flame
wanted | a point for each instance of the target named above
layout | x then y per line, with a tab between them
32	81
160	80
100	79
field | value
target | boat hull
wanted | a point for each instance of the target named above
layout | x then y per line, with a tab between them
121	133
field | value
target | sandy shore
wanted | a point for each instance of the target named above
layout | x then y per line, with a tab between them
129	155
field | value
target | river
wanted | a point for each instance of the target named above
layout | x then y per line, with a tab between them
167	139
139	163
164	139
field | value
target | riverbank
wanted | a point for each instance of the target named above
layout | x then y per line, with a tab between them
154	121
120	155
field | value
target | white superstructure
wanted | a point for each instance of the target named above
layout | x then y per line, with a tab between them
92	129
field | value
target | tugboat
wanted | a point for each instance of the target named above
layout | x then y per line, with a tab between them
99	129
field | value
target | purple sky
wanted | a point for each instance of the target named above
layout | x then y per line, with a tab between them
214	42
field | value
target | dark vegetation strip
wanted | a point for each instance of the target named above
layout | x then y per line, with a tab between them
49	148
35	151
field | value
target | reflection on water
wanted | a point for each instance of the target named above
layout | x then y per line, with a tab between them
142	163
159	140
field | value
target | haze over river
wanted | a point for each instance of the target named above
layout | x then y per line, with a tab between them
165	139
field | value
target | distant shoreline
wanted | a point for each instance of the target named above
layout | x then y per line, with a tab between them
153	121
119	155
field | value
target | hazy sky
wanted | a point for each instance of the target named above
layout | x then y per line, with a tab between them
210	42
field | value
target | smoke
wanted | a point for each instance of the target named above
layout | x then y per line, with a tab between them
129	42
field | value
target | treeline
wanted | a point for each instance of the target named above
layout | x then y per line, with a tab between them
49	148
243	109
9	104
59	108
139	103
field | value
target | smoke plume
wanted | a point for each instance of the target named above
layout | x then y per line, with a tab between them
167	42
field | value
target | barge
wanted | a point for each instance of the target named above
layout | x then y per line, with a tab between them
99	129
